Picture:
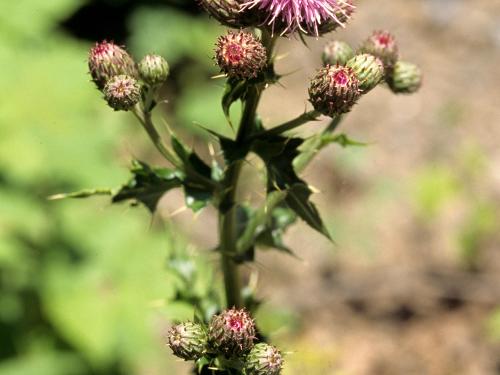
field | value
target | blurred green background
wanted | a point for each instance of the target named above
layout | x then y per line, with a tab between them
410	287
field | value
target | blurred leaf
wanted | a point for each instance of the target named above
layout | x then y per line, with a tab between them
481	224
434	186
164	31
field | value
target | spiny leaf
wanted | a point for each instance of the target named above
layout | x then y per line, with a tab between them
278	154
298	200
148	185
86	193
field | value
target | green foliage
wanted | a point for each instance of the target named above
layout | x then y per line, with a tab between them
82	288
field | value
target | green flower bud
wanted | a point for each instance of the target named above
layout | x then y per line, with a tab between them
336	52
106	60
153	70
382	44
369	70
240	55
187	341
334	90
405	78
232	332
122	92
264	359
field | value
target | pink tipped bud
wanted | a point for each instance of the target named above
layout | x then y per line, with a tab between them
187	341
334	90
336	52
369	70
106	60
240	55
405	78
122	92
232	332
264	359
383	45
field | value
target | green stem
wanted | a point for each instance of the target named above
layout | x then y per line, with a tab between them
289	125
227	209
146	121
229	237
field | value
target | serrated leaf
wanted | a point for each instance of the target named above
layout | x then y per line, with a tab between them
190	159
198	182
148	185
298	200
278	154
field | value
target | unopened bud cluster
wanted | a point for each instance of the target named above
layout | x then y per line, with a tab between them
230	335
240	55
117	75
347	75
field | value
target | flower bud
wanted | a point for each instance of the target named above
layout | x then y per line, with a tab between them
106	60
405	78
369	70
382	44
187	340
334	90
230	12
153	70
232	332
240	55
336	52
264	359
122	92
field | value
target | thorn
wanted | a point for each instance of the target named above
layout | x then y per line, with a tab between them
176	212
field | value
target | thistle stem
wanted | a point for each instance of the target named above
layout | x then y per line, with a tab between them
289	125
146	121
228	235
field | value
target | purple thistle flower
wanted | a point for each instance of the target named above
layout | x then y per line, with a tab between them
308	16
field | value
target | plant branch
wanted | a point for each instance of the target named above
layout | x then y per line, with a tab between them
289	125
146	121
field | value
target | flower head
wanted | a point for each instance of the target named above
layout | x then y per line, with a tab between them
122	92
314	17
264	359
240	54
187	340
106	60
232	332
334	90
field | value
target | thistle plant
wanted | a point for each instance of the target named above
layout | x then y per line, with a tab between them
229	341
